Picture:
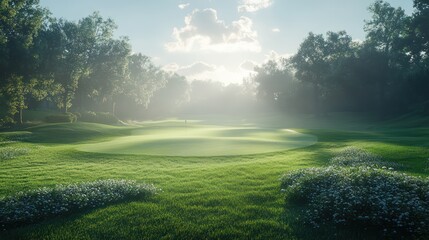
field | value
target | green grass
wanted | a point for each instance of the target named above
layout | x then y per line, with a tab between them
203	197
175	138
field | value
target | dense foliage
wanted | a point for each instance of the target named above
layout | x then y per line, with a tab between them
387	73
59	64
25	207
367	195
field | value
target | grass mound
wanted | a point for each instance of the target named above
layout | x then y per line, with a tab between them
361	196
193	139
26	207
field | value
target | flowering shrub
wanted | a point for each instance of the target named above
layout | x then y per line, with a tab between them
12	152
361	196
29	206
353	157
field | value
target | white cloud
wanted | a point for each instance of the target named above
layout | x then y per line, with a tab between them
172	67
253	5
183	5
248	65
206	71
203	31
275	30
357	41
223	75
196	68
275	56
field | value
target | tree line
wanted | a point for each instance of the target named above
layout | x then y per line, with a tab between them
79	65
66	64
387	73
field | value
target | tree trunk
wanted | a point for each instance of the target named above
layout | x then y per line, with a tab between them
65	100
20	116
114	108
316	102
381	89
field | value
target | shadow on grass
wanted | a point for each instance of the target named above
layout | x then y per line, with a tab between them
407	147
64	133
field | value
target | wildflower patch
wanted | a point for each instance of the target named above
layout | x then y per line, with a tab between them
361	196
354	157
29	206
12	152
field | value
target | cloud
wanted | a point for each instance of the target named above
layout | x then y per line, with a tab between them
172	67
248	65
196	68
275	30
357	41
253	5
203	31
206	71
275	56
183	5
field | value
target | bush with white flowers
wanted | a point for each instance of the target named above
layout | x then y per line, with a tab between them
25	207
361	195
12	152
354	157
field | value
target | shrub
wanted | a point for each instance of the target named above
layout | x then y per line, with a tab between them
6	122
12	152
26	207
360	189
354	157
78	115
361	196
99	117
61	118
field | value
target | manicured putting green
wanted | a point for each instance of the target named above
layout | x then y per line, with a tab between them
193	139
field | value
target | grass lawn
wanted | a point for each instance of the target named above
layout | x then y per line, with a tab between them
204	195
177	138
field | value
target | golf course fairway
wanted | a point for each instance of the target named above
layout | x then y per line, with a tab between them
194	139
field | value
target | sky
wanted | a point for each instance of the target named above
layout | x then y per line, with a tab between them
221	40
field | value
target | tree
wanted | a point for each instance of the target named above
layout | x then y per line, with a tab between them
275	81
386	28
20	21
418	46
145	79
170	98
69	48
109	73
418	35
386	32
311	66
322	63
340	56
